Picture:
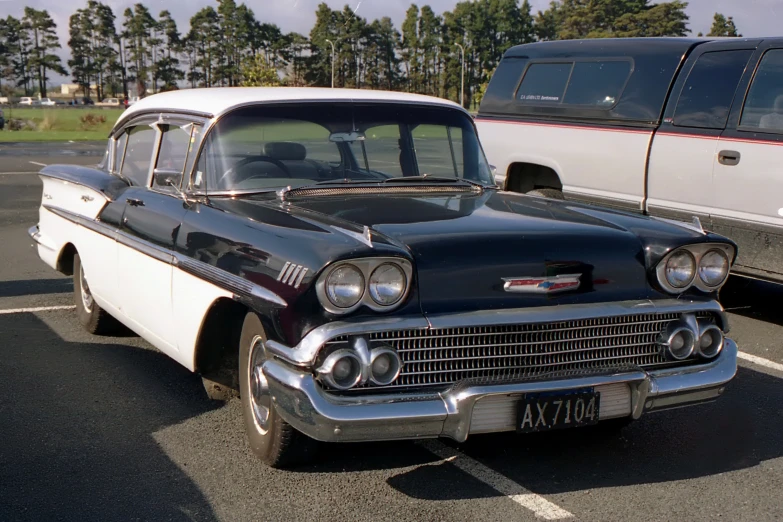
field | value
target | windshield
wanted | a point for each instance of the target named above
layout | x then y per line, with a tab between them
267	147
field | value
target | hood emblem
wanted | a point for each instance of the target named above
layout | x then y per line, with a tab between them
542	285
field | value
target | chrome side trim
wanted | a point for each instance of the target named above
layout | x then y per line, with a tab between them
91	224
589	199
145	247
304	353
226	280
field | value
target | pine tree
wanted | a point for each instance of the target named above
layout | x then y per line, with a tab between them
41	29
722	26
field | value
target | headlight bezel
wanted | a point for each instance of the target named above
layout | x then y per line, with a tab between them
366	266
697	251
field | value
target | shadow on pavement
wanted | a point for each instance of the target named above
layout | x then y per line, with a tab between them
77	429
740	430
35	287
753	298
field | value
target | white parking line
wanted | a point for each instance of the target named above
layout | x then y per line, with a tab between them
36	309
755	359
541	507
36	163
18	173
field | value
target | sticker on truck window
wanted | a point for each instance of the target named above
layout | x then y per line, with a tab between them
539	97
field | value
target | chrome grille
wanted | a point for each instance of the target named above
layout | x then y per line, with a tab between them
434	357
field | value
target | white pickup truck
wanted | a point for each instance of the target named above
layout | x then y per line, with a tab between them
672	127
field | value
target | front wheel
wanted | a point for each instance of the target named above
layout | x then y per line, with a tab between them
92	317
271	438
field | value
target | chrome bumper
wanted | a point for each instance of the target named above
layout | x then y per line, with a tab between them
34	233
304	405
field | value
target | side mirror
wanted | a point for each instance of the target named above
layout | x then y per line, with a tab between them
166	178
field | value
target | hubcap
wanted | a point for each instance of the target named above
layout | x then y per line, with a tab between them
86	295
259	387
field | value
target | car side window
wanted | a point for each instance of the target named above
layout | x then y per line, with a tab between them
119	151
709	90
438	150
172	154
763	109
381	148
138	154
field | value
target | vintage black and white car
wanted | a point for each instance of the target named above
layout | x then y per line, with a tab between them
344	262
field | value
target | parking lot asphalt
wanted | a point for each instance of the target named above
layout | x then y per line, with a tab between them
107	428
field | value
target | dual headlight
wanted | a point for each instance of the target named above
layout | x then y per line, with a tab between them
381	284
704	266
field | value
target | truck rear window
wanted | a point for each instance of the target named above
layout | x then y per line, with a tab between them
587	83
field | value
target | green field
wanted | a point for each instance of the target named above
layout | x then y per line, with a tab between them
60	124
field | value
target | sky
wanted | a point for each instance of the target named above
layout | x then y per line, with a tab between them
753	17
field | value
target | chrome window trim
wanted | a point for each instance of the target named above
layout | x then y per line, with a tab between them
305	353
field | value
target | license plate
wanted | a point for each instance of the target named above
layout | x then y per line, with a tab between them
549	411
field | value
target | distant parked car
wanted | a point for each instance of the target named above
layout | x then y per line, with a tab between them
132	100
109	102
26	100
47	102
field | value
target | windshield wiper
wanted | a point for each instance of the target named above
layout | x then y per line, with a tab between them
334	181
436	179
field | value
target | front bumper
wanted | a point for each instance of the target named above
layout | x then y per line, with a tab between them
300	400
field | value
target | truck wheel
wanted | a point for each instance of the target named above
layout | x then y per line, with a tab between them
92	317
546	193
271	438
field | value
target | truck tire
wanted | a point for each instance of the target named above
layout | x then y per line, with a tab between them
546	193
273	440
92	317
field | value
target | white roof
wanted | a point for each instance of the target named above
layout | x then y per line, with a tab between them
218	100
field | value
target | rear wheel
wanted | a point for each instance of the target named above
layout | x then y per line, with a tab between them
92	317
546	193
271	438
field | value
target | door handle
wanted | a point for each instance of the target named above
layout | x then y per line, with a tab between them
728	157
135	202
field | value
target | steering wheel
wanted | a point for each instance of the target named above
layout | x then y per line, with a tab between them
253	159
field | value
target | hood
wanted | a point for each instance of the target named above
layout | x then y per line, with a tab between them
466	246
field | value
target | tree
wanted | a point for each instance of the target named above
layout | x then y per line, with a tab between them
139	33
410	48
167	70
202	43
722	26
570	19
298	44
320	61
82	63
256	72
41	29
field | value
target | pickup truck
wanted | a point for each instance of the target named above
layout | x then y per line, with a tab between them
678	128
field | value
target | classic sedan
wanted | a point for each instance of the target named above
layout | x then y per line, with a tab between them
343	262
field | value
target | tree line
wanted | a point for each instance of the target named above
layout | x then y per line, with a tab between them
227	45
